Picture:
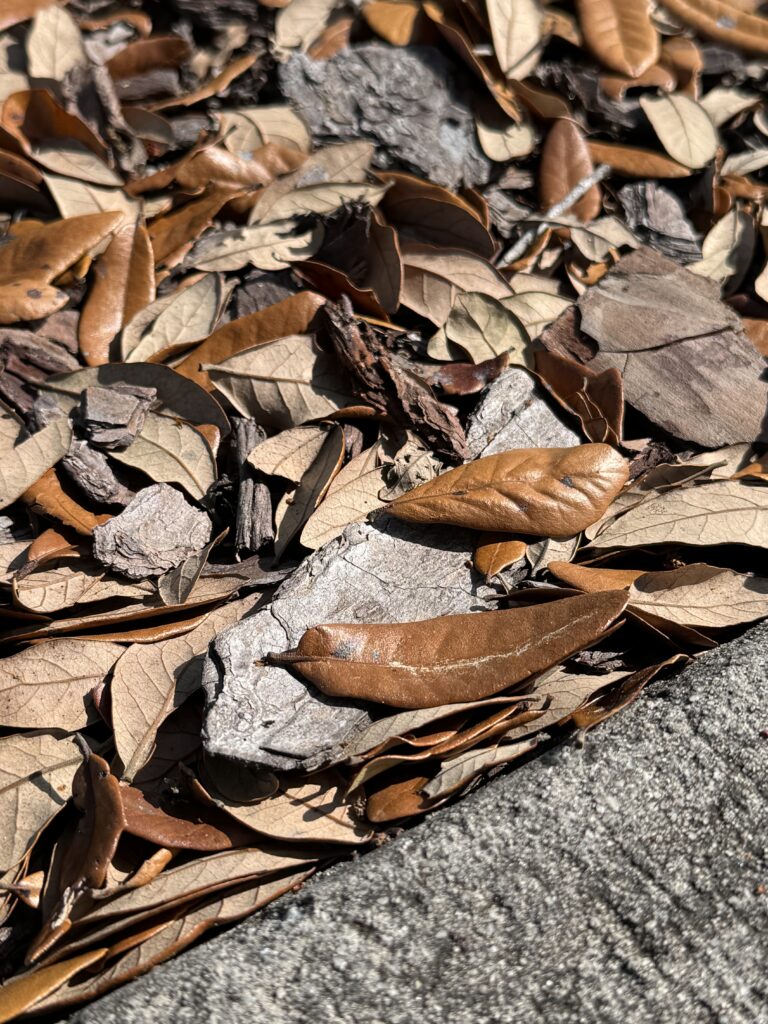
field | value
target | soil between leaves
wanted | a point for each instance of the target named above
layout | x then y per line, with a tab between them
246	309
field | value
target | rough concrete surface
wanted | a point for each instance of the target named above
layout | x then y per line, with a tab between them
623	882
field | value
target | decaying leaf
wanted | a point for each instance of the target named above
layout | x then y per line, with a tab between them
485	327
455	658
701	595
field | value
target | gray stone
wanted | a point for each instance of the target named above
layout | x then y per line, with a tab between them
513	413
410	101
155	532
621	883
383	572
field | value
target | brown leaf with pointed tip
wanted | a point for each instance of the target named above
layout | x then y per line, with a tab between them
215	85
399	22
565	161
33	117
144	55
123	284
398	799
591	580
596	398
173	234
496	551
26	990
620	33
295	508
451	659
716	19
550	492
465	378
181	824
49	498
293	315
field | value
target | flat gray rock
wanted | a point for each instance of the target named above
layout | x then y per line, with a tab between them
408	100
621	883
381	572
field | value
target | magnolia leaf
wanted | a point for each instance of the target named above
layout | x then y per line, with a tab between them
723	512
516	32
290	453
496	551
620	33
150	681
48	686
353	493
551	492
170	451
185	316
72	581
748	162
22	465
297	506
724	102
455	658
683	127
54	45
701	595
283	383
36	772
485	327
272	246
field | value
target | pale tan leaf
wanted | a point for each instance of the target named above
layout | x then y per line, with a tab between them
76	198
485	327
299	24
272	246
72	581
298	505
432	278
701	595
36	772
727	250
279	124
536	309
54	45
171	451
22	465
319	200
748	162
186	315
620	33
290	453
723	512
724	102
283	383
505	141
462	769
596	241
352	495
516	32
73	160
151	681
13	556
683	127
48	686
309	810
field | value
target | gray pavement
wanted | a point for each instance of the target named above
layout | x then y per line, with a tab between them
619	883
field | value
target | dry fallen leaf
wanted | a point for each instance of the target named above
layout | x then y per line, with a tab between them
620	33
683	127
701	595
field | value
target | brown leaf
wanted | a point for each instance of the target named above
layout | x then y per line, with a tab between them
451	659
592	580
181	824
27	990
620	33
465	378
295	508
124	283
293	315
596	398
716	19
16	11
148	54
496	551
399	22
173	234
171	451
49	685
33	117
657	76
398	799
49	498
460	770
72	581
554	492
565	161
216	85
701	595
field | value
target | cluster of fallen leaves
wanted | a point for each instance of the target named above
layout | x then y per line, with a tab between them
226	342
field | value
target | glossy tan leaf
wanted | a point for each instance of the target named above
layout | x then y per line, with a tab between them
48	497
36	772
701	595
713	513
48	685
54	45
293	315
634	162
282	383
314	809
150	682
496	551
27	990
592	580
451	659
183	825
716	19
620	33
551	492
123	284
432	279
565	161
22	465
683	127
596	398
353	493
516	33
170	451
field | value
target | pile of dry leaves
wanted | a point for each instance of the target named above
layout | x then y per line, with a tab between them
487	275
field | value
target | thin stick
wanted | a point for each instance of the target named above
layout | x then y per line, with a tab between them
578	190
